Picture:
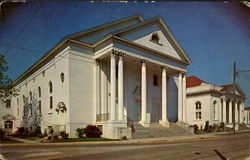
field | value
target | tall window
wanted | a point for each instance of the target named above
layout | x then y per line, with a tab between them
39	101
30	97
198	110
8	103
214	110
50	97
50	102
50	87
39	92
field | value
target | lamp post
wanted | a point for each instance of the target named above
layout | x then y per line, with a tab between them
235	73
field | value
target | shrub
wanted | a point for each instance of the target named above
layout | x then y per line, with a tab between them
2	134
64	135
51	131
92	131
21	130
79	132
124	138
55	137
37	131
206	126
40	135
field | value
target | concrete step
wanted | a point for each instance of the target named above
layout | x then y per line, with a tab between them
156	130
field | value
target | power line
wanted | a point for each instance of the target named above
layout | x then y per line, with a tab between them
24	26
23	48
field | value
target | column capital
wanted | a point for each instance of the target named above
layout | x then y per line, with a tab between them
121	54
144	62
165	68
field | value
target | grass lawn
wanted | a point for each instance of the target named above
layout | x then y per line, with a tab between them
83	140
10	141
29	138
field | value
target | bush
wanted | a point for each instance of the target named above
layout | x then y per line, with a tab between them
37	130
55	137
2	134
64	135
206	126
196	128
92	131
79	132
40	136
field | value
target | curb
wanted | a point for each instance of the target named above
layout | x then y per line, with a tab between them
115	142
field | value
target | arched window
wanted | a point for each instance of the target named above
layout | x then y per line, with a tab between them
50	87
198	110
155	37
214	110
62	77
39	92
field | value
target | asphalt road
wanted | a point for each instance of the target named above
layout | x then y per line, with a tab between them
223	147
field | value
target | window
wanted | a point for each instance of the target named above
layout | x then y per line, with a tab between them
39	92
17	101
30	97
17	111
155	80
50	87
39	107
50	102
214	110
198	110
30	107
155	38
62	77
8	103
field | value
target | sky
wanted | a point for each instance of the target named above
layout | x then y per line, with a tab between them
213	34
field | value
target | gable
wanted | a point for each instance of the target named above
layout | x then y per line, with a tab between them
142	34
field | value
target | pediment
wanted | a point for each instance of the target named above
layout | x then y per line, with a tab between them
8	117
146	34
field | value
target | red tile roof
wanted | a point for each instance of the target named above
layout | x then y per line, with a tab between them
193	81
226	87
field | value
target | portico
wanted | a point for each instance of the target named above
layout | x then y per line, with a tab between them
115	67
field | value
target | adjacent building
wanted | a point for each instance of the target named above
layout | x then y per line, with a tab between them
216	104
129	70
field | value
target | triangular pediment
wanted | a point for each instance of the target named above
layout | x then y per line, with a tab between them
229	89
144	34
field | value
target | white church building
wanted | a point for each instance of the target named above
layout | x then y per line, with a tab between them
216	104
129	70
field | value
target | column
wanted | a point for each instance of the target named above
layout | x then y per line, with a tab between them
143	93
224	103
112	87
236	112
120	87
230	112
164	96
241	112
184	98
96	90
220	112
180	97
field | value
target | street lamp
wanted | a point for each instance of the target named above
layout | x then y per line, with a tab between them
235	73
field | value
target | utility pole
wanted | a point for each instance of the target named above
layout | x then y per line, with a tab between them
234	94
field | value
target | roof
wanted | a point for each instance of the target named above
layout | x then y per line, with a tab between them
226	87
193	81
229	87
247	108
72	40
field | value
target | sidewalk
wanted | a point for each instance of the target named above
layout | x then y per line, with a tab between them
145	140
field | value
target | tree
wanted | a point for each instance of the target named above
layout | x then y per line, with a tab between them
6	90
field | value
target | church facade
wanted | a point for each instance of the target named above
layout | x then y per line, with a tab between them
129	70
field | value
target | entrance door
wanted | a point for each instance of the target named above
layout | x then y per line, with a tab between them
137	111
156	112
8	127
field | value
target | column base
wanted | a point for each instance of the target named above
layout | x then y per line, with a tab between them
164	123
144	123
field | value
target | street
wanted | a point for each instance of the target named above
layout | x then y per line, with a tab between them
219	148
